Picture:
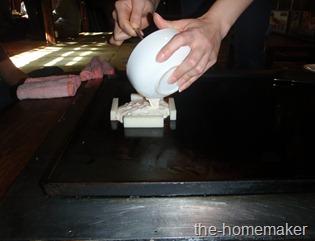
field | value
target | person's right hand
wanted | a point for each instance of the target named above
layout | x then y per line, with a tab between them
202	35
128	15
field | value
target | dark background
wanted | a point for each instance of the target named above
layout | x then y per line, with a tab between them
99	12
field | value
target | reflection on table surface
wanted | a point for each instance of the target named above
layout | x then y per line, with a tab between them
27	213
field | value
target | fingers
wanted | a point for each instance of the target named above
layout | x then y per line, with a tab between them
188	79
128	15
160	22
192	71
118	36
174	44
113	41
196	63
203	42
136	14
122	17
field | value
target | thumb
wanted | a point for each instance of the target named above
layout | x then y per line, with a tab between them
161	22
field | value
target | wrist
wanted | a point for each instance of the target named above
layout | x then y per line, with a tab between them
224	13
216	25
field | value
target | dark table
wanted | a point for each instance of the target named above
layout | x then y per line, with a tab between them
27	213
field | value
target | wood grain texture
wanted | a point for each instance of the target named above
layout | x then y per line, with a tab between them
22	129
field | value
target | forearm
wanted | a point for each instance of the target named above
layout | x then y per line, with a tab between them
55	16
17	78
60	9
11	74
225	13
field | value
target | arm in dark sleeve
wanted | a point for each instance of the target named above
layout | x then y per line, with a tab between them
59	10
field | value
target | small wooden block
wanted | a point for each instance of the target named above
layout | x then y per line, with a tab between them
113	110
136	97
172	107
145	121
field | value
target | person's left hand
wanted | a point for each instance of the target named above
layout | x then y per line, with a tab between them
202	36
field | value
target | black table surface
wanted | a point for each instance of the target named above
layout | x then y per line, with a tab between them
251	127
241	134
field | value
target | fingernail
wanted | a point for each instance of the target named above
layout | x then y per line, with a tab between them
182	88
160	57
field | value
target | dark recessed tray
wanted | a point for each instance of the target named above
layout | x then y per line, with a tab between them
239	133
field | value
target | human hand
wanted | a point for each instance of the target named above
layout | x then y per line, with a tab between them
202	36
130	15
